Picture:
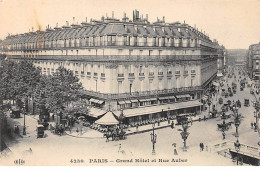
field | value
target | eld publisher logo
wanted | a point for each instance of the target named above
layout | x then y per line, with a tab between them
19	162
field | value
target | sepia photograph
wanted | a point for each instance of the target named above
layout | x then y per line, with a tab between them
129	83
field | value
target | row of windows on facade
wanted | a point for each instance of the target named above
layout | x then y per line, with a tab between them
33	54
193	72
111	41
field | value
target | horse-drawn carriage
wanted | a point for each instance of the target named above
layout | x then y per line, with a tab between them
40	131
116	134
246	103
57	129
220	101
238	103
15	112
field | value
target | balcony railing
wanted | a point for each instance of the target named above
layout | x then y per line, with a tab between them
102	58
104	43
142	93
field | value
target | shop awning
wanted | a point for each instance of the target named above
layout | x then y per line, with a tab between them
172	97
155	109
95	112
107	119
100	102
219	74
134	101
163	98
121	102
153	99
182	96
128	101
94	100
216	84
143	100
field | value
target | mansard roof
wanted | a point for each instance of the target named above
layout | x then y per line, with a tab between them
103	28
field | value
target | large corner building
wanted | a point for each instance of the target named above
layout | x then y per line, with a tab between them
145	70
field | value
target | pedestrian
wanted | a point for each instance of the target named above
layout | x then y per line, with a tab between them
136	127
159	123
119	149
204	118
172	125
175	150
169	121
224	135
252	125
202	147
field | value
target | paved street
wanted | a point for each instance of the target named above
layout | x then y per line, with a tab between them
139	145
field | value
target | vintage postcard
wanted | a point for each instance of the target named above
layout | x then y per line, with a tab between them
129	83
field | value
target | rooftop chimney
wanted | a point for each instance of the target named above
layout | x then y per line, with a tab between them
147	17
112	14
67	23
163	18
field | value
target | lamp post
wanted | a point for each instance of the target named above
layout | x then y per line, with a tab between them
153	139
209	103
256	114
24	127
237	123
184	135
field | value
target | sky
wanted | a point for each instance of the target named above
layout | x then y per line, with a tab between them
234	23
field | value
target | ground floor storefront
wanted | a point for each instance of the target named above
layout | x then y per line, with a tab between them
147	115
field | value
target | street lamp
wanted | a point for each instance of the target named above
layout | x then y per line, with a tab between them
24	127
237	147
237	123
153	139
209	103
121	118
256	114
184	135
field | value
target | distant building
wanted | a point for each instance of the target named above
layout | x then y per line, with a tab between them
147	70
252	61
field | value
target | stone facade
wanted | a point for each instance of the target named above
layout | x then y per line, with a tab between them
252	61
121	63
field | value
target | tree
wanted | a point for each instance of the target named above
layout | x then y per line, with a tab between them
7	75
56	92
19	80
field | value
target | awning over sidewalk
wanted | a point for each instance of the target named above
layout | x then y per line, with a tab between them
107	119
216	84
163	98
94	100
155	109
219	74
95	112
182	96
